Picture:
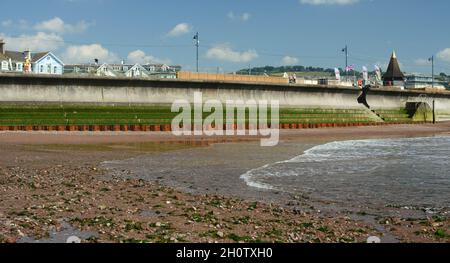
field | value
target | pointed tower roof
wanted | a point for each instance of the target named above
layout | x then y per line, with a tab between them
393	72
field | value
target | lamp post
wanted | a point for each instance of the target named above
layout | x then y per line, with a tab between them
345	50
197	44
432	70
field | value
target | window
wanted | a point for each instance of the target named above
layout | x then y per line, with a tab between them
55	69
41	69
49	69
5	65
19	67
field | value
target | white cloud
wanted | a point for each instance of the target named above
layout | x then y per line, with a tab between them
179	30
289	61
7	23
421	62
226	53
444	55
329	2
57	25
139	56
41	41
87	54
244	17
21	24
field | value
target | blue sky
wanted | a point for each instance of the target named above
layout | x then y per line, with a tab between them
234	33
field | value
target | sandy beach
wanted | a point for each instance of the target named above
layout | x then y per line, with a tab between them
154	187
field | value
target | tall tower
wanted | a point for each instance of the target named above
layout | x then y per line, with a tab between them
393	76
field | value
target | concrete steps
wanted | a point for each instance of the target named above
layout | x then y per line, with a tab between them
122	118
393	115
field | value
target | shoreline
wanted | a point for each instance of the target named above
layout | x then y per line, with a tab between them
71	162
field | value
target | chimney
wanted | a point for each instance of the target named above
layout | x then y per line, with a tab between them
27	54
2	46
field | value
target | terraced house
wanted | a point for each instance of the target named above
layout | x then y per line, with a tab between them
155	71
29	62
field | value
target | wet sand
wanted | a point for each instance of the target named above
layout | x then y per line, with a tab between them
154	187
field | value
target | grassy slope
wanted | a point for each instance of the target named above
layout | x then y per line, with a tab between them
108	115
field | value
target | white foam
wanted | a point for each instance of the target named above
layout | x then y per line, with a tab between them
247	177
366	155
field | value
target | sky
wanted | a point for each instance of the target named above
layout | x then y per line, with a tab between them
234	34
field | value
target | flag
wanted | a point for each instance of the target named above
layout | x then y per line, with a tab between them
365	73
350	68
378	73
338	74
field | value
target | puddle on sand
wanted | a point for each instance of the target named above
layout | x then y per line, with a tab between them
61	236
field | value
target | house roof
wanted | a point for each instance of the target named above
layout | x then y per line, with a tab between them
38	56
393	71
137	66
15	56
20	56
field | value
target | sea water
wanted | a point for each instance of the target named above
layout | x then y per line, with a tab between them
406	172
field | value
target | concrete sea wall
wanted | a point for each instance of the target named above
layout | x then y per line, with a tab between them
93	90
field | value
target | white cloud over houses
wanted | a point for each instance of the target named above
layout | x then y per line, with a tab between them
225	53
139	56
329	2
421	62
289	61
87	54
179	30
57	25
244	17
48	36
40	41
444	55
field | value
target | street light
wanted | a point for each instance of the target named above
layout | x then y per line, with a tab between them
197	44
432	70
346	59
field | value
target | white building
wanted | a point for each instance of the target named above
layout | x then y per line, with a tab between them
40	63
137	71
153	71
420	81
